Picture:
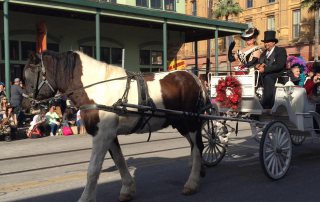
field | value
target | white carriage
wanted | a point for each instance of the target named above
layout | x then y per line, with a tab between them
290	120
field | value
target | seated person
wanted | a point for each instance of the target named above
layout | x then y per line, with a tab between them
312	85
298	68
248	56
10	118
52	118
3	106
294	75
272	64
310	73
38	122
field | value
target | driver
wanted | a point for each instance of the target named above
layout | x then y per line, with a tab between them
271	65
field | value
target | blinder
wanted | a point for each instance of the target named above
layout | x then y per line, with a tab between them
41	71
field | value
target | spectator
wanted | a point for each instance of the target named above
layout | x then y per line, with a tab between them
312	85
38	121
17	95
80	128
21	84
295	75
52	118
3	106
2	89
10	117
68	117
298	68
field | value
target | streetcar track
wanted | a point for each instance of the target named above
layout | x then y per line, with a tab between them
82	149
83	162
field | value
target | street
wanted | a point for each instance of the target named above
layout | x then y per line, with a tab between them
54	169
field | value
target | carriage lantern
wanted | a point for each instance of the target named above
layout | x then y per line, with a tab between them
288	87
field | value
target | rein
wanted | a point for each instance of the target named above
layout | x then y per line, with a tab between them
70	92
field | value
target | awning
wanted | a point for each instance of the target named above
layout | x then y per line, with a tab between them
194	28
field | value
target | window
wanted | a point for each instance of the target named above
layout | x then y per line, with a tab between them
151	58
271	1
156	57
249	3
27	47
271	22
169	5
194	8
144	57
53	47
116	56
296	24
143	3
13	50
24	48
105	54
156	4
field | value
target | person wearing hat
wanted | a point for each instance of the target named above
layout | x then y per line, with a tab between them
248	56
272	64
17	95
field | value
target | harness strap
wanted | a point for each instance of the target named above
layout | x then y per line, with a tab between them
145	100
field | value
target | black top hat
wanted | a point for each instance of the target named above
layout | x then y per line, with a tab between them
270	36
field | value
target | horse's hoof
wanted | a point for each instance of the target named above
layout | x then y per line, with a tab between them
188	191
125	197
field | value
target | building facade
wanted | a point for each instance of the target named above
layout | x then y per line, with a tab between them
293	24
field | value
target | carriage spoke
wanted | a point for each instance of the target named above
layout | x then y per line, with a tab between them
269	156
282	160
271	164
274	165
281	139
207	147
284	142
218	149
211	153
205	136
215	152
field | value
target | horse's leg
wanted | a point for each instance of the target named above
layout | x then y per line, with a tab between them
101	143
192	185
128	186
200	145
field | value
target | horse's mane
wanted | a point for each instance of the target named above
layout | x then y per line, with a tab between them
64	62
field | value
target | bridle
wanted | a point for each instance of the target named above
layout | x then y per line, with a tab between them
41	72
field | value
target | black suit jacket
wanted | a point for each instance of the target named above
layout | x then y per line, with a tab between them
276	62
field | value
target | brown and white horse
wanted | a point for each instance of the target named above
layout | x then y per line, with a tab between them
74	71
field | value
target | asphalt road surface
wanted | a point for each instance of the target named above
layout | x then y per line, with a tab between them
54	169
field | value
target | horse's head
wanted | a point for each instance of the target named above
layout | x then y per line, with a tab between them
37	84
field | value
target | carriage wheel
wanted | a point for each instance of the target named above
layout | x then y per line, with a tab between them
214	150
275	150
297	138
